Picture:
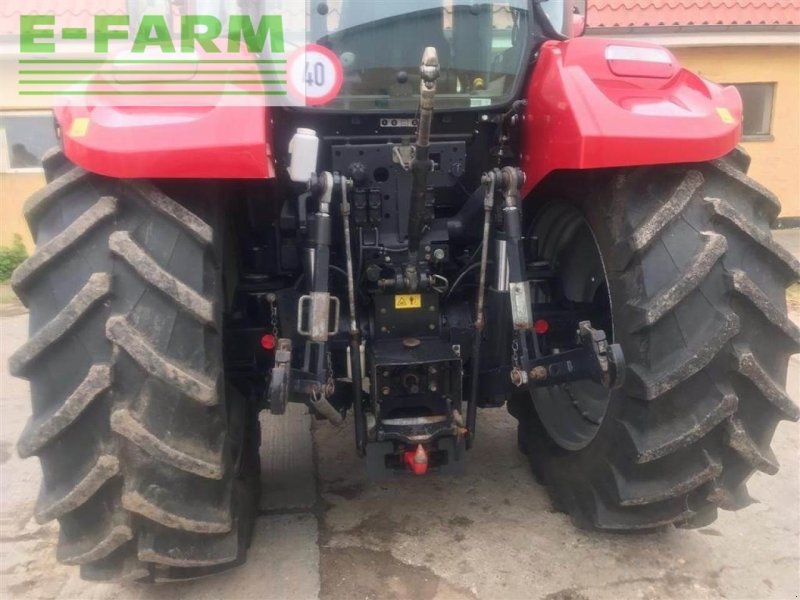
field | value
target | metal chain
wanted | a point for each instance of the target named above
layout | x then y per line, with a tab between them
515	353
331	383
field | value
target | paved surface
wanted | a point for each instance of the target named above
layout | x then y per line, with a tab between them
328	533
287	474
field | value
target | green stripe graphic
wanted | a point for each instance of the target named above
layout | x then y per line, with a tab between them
151	72
151	93
86	61
154	81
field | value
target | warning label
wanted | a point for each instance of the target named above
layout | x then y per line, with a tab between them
406	301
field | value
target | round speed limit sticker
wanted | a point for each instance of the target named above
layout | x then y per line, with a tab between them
315	75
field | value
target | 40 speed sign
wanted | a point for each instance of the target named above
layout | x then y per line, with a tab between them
315	75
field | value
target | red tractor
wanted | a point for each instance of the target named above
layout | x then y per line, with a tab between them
488	213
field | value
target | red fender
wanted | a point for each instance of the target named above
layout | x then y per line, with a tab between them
210	136
597	103
167	141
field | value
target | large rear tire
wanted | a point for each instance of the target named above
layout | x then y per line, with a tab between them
149	462
697	289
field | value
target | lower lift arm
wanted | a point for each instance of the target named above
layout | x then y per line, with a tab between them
593	358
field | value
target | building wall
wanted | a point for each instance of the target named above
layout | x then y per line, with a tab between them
15	188
776	163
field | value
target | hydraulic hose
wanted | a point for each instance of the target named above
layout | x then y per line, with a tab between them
355	331
472	408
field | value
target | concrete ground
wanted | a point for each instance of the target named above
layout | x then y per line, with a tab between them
326	532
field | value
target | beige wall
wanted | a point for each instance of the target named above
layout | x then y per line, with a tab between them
14	190
776	163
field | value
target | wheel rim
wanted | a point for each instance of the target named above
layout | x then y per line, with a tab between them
573	413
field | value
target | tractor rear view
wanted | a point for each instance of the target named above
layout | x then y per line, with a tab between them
486	213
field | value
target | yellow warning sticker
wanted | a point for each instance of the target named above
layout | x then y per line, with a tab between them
79	127
725	115
406	301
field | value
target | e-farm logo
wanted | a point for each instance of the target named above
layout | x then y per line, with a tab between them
117	55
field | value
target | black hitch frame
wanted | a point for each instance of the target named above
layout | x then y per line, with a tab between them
595	359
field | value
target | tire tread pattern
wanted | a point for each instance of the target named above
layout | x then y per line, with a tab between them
704	391
136	459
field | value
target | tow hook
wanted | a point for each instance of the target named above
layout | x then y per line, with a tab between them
417	460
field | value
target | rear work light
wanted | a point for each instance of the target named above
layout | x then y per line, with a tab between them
640	61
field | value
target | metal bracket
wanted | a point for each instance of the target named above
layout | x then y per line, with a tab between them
609	357
404	156
279	384
595	359
319	402
319	305
521	304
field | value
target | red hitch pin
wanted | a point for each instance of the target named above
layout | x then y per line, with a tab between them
268	341
541	327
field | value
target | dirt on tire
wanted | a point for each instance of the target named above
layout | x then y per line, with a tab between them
698	290
139	440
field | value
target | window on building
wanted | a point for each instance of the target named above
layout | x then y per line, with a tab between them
24	138
757	101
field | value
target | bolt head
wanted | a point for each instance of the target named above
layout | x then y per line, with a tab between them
411	342
538	373
519	377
